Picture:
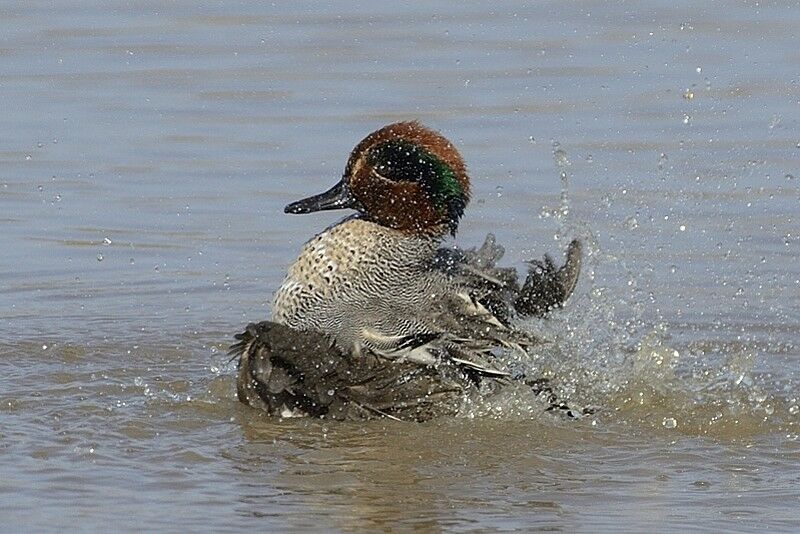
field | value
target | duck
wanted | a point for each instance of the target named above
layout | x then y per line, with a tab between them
377	315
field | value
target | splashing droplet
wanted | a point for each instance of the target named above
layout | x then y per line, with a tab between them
669	422
106	241
560	156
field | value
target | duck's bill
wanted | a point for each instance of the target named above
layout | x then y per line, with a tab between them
336	198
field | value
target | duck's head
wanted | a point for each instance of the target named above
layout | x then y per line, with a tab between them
403	176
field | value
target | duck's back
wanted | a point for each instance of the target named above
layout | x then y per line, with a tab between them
358	276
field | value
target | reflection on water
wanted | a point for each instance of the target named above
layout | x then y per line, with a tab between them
149	150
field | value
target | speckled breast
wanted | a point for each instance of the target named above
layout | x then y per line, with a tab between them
359	274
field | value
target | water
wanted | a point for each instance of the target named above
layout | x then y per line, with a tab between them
148	150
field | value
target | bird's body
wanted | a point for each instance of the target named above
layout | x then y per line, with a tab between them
362	283
379	285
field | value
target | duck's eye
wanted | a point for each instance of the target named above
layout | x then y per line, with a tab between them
402	161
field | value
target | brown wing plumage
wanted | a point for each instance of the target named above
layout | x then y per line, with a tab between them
286	372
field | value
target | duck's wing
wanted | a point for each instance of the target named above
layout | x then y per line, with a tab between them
435	348
548	287
473	337
287	372
498	289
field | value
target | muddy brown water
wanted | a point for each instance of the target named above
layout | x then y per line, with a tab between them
147	150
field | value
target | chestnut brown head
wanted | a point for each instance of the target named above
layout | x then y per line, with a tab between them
403	176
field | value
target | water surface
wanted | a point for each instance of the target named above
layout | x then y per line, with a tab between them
146	155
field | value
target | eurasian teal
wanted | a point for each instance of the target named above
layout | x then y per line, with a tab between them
416	328
379	282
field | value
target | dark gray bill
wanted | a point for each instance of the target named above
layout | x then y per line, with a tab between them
336	198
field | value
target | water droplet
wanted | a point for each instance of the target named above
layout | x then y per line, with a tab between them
39	144
682	228
499	191
532	141
789	176
560	155
687	119
794	409
57	198
28	157
669	422
698	70
106	241
688	94
40	187
99	257
673	269
44	347
331	392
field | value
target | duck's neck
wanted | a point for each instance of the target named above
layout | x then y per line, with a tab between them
409	248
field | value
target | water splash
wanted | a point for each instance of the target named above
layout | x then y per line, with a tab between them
604	350
562	162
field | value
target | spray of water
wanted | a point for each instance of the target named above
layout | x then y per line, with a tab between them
601	351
